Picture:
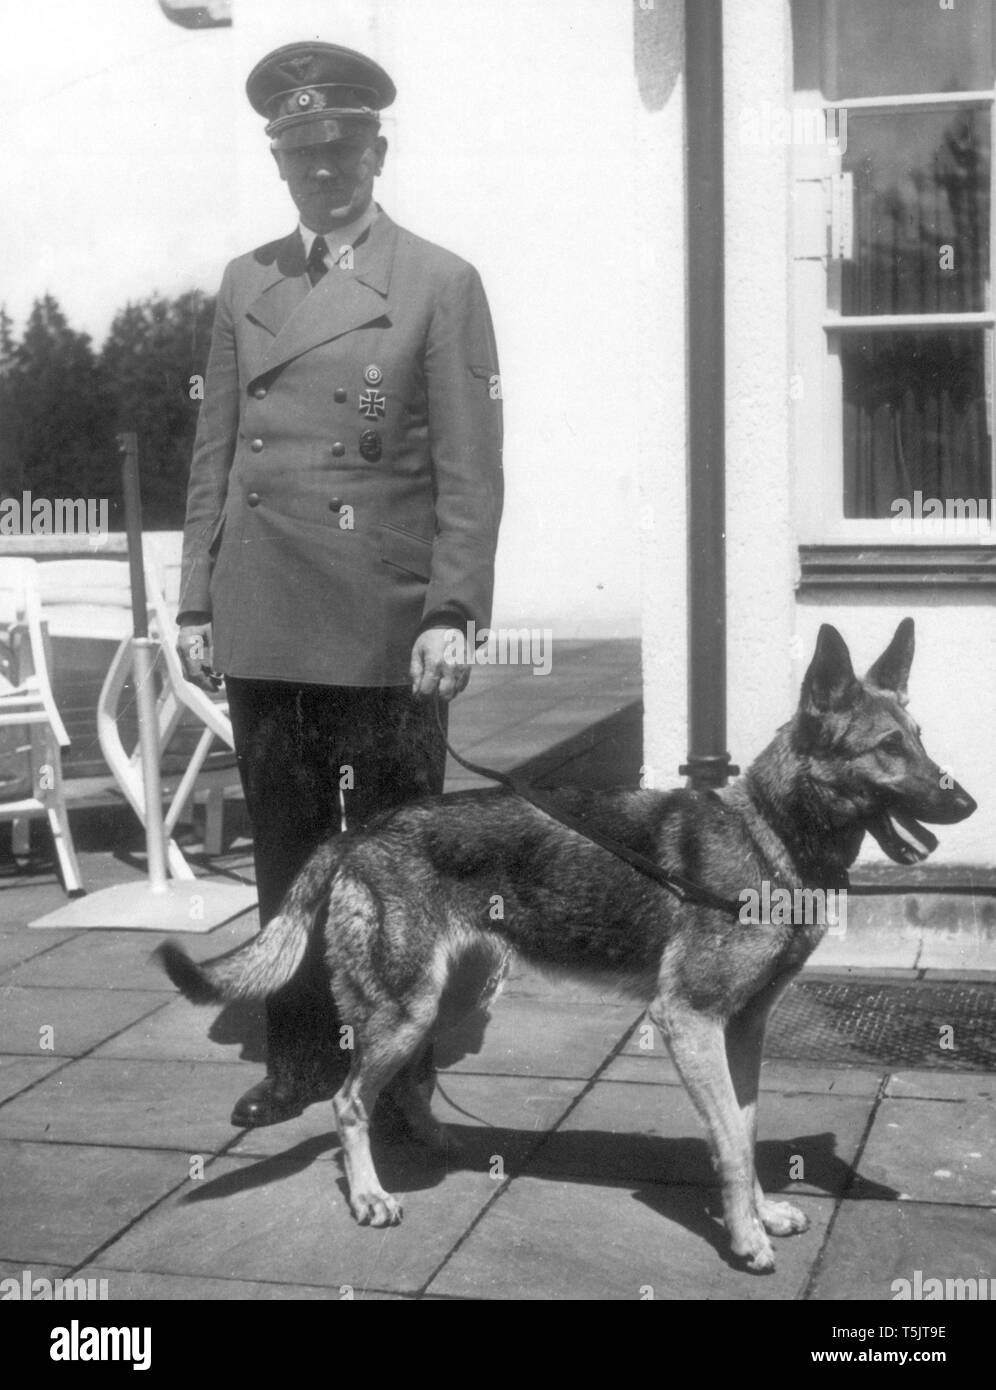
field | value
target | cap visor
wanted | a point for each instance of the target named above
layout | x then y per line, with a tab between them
317	131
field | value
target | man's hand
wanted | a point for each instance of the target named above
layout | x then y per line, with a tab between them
193	646
439	662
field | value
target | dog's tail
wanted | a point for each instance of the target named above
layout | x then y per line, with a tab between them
266	963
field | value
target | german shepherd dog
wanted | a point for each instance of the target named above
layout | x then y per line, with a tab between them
419	911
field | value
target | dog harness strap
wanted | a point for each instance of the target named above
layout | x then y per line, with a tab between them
682	888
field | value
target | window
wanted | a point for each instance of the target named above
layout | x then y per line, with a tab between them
896	262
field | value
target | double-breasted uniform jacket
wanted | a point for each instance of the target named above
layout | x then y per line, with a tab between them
346	477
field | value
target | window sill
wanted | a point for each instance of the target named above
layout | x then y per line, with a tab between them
908	566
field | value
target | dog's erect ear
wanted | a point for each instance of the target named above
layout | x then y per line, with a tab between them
829	684
892	670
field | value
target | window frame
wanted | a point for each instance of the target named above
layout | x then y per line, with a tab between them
820	478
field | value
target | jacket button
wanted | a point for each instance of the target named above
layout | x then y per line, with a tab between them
338	450
253	499
340	394
256	446
259	392
335	504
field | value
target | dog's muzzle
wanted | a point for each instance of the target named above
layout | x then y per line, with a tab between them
905	840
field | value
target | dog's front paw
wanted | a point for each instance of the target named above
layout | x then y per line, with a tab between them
755	1251
375	1208
782	1218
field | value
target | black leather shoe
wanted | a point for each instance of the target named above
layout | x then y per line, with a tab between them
269	1103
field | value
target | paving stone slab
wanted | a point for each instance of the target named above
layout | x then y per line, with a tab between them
532	983
98	869
791	1078
141	1104
942	1085
547	727
641	1069
286	1220
206	945
156	1288
486	1115
555	1240
18	1073
629	1132
19	945
27	896
119	959
60	1202
80	1018
546	1037
934	1150
9	1270
875	1244
475	722
183	1032
97	960
646	1048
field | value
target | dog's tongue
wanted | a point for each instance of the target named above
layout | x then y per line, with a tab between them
904	839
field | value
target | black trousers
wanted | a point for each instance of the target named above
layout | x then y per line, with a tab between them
297	745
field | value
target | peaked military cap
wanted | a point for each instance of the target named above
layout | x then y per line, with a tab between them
310	93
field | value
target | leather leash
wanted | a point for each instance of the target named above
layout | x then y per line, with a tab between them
684	889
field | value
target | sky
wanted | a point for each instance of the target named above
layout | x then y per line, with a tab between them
129	148
133	162
114	126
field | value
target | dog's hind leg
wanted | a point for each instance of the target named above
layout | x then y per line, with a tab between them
411	1091
386	1040
744	1050
697	1044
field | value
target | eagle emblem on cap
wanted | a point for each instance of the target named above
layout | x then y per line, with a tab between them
299	70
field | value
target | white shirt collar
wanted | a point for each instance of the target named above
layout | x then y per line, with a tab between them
340	237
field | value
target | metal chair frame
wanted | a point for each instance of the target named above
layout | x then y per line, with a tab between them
27	702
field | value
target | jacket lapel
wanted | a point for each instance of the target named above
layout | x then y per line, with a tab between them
284	285
301	317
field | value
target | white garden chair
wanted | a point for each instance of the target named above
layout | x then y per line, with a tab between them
27	704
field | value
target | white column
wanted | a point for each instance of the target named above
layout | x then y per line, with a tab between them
761	540
660	328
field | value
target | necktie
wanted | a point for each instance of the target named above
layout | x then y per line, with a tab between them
316	260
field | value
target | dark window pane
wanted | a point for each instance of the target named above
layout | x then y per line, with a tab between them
891	47
916	417
921	212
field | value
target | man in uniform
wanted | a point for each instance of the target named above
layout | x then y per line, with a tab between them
342	513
